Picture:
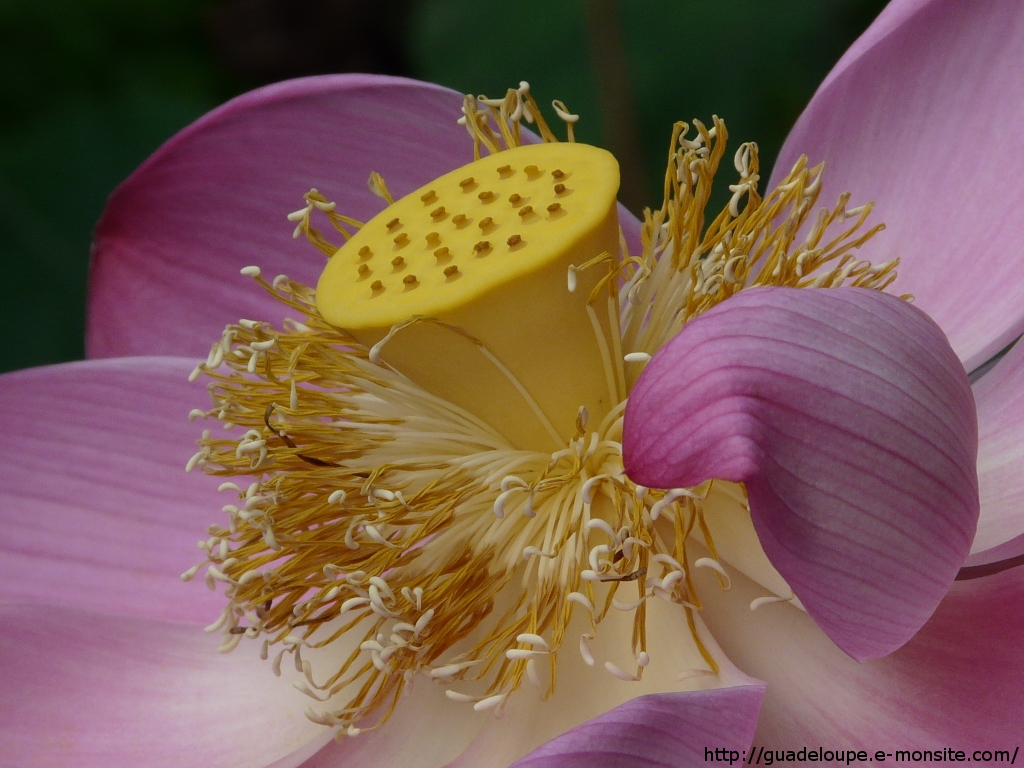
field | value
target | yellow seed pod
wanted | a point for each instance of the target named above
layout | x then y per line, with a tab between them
512	232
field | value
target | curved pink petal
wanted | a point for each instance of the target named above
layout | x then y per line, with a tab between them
922	116
215	198
851	422
96	510
666	730
1000	396
894	15
958	683
97	691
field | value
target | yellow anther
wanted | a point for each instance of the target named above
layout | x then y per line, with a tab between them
525	211
482	246
364	270
486	195
452	270
442	253
554	207
433	238
393	223
558	173
559	189
467	182
485	222
377	285
429	196
514	198
397	261
532	171
515	240
402	239
438	213
505	170
409	279
459	219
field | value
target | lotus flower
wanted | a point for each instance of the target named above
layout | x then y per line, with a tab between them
844	413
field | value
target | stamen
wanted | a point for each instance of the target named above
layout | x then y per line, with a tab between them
761	601
588	657
707	562
618	673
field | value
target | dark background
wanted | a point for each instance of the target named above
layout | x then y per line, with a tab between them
89	88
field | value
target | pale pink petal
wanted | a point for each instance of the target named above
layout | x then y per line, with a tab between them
96	510
923	117
215	198
892	17
1000	396
959	683
669	730
851	422
96	691
999	558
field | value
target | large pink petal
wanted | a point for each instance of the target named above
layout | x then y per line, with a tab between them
215	198
96	691
667	730
958	683
922	117
1000	396
851	422
96	510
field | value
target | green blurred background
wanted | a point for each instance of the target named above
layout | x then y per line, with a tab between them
89	88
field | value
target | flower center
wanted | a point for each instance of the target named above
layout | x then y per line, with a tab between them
437	484
486	249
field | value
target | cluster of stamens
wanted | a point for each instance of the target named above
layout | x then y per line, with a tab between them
389	534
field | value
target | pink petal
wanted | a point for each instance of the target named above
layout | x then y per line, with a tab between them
89	690
96	510
958	683
892	17
922	116
673	730
215	198
852	424
1000	396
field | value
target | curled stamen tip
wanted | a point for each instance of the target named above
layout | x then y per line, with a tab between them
755	604
531	638
490	702
588	657
707	562
636	357
619	673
